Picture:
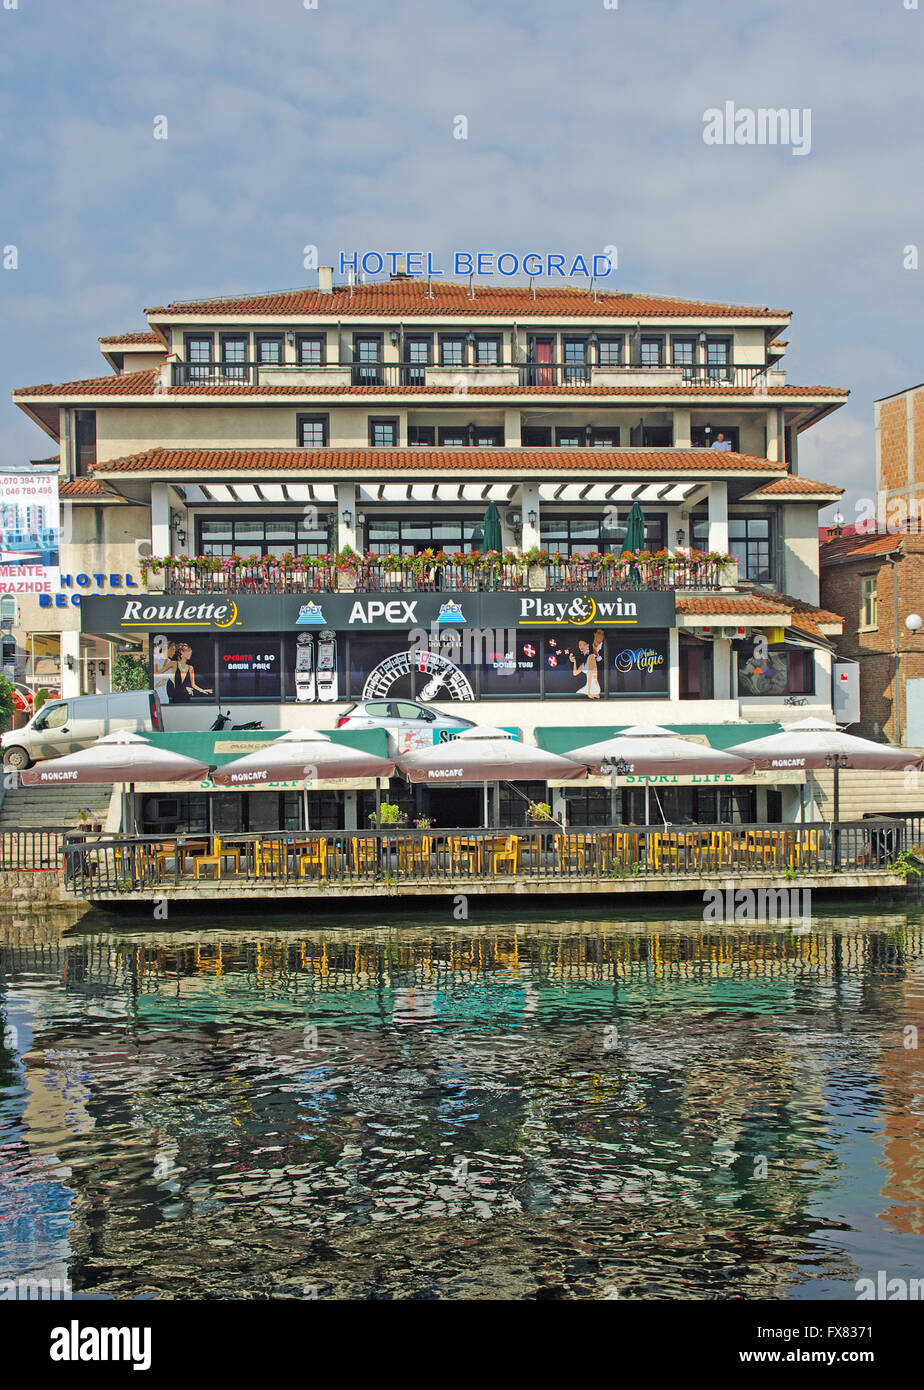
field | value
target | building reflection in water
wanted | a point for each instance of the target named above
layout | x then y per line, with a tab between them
559	1107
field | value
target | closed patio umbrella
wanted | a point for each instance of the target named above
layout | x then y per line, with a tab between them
493	538
485	754
648	750
635	540
302	755
119	757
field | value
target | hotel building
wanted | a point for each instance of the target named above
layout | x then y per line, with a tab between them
294	487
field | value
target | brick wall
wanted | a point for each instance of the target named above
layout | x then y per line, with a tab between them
840	591
893	444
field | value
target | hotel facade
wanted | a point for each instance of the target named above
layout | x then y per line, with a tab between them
294	487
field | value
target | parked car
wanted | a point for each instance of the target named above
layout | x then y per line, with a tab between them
67	726
398	714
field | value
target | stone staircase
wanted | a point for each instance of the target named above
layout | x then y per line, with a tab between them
30	808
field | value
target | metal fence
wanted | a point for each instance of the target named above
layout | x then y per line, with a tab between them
344	857
33	850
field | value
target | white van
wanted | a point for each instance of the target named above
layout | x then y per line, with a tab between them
66	726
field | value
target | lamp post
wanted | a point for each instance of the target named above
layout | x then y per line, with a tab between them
836	761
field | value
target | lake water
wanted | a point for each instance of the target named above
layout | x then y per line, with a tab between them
560	1106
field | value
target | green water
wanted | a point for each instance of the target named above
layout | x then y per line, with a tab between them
503	1107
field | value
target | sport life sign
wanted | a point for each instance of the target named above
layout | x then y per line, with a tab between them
620	610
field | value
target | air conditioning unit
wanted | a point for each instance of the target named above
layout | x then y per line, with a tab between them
143	550
733	634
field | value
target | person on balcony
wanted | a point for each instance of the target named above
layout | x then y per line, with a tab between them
720	442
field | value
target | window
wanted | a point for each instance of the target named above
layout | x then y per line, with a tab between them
573	535
749	543
707	437
604	439
488	436
655	436
695	670
310	350
453	436
452	352
536	436
717	359
312	431
575	360
84	441
224	536
367	358
409	535
420	435
269	349
56	718
417	355
869	601
609	352
569	437
233	357
683	354
487	351
383	431
199	354
651	352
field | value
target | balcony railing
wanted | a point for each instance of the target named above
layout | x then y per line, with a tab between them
319	861
431	376
433	574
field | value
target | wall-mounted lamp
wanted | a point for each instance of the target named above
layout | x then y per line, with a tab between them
702	339
592	338
681	536
588	433
361	519
346	516
101	667
290	339
395	335
69	662
533	518
469	338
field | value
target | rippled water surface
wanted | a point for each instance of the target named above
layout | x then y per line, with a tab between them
507	1108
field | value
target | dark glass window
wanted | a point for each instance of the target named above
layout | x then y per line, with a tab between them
609	351
367	357
453	436
604	439
407	536
652	350
249	668
84	441
683	354
452	352
420	434
571	535
277	536
310	350
575	361
233	356
199	353
383	431
696	672
417	354
783	671
488	436
269	349
701	438
487	351
569	437
312	431
749	542
717	359
536	436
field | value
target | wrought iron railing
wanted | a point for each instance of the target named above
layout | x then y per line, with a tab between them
313	859
33	849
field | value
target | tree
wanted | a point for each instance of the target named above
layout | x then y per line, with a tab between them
130	673
6	702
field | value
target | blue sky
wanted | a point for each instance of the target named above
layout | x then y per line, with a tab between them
333	126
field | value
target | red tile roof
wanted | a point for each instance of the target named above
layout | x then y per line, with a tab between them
803	616
793	486
418	298
163	460
862	546
133	340
144	383
85	487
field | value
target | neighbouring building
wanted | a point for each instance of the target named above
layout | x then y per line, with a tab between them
280	500
900	460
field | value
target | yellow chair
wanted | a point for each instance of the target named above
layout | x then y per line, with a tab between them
364	854
210	860
463	853
573	850
271	856
414	856
315	857
504	853
806	846
227	852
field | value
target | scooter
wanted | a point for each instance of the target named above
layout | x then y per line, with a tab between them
223	721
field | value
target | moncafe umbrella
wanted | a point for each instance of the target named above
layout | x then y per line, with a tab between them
648	750
485	754
814	743
119	757
302	755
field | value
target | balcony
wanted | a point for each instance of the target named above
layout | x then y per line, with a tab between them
427	377
436	572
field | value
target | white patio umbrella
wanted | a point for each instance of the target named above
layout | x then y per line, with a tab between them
648	750
119	757
302	755
815	743
486	754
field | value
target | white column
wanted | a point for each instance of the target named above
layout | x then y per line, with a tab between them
160	519
774	436
70	664
721	669
673	675
511	429
717	504
346	502
529	502
682	429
